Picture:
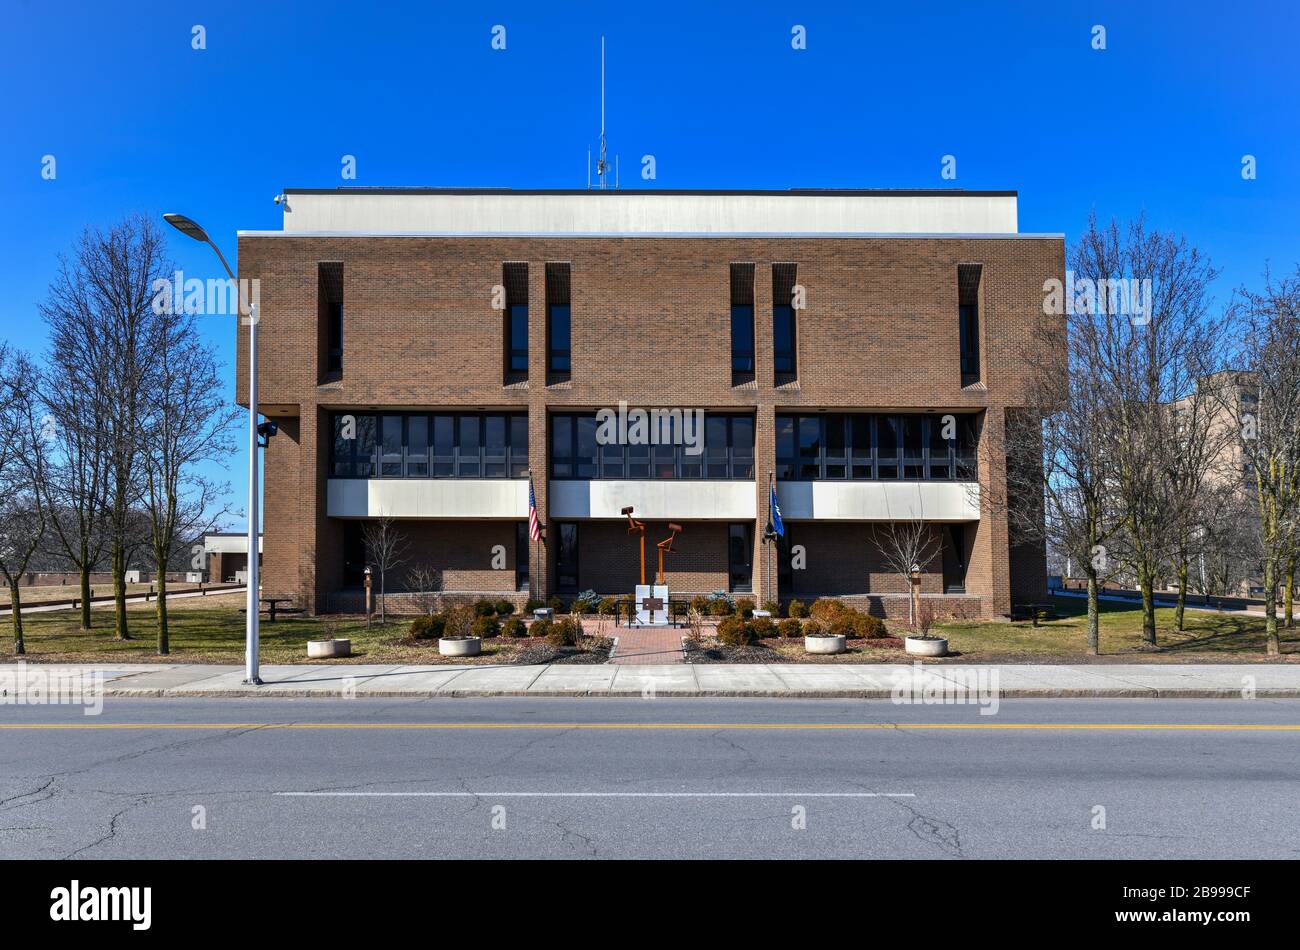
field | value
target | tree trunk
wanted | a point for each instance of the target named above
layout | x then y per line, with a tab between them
1180	608
164	644
1148	610
85	587
1273	645
1094	621
16	611
119	593
1288	592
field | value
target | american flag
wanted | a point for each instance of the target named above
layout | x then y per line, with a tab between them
534	526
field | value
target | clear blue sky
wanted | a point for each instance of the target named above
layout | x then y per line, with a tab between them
139	121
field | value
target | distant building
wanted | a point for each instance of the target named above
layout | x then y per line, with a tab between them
226	556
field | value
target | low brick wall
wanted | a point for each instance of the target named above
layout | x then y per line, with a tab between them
895	606
405	603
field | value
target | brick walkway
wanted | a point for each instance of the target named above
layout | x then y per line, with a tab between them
648	645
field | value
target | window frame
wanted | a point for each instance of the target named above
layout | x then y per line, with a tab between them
626	462
473	462
801	460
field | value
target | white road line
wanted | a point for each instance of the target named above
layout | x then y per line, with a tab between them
493	794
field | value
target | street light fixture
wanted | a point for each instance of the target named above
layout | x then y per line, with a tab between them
191	229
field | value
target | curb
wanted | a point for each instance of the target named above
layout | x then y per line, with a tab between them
274	692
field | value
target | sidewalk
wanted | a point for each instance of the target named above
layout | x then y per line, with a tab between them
1163	681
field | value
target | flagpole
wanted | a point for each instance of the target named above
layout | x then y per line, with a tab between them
770	490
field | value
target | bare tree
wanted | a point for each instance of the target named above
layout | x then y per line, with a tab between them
73	393
427	581
1265	413
185	423
110	319
1227	547
22	513
907	547
1149	363
1056	452
385	543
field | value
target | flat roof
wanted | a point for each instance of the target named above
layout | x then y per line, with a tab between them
508	212
804	192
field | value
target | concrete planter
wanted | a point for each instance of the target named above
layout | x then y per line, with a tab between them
324	649
828	644
460	646
916	646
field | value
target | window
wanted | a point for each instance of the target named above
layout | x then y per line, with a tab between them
515	279
521	555
423	445
566	559
727	451
391	440
740	556
558	323
866	446
742	323
329	315
968	320
784	330
335	361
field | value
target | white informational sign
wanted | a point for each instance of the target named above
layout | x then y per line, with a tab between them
652	605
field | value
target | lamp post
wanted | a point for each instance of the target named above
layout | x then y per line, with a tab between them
191	229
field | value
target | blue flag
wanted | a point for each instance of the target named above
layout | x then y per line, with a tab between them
777	524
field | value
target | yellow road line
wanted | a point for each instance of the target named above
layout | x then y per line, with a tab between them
705	726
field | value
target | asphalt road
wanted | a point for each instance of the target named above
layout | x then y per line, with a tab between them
650	778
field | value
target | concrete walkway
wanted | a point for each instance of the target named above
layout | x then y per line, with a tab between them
876	681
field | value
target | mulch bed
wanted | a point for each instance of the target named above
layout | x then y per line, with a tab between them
591	650
709	650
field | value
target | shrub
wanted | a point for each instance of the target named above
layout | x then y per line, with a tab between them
789	628
460	622
485	608
813	628
556	604
734	631
773	608
700	603
565	632
428	628
533	604
842	624
514	628
797	609
607	606
504	608
486	627
540	628
586	602
826	608
870	628
745	607
763	627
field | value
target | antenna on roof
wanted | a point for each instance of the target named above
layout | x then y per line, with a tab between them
602	166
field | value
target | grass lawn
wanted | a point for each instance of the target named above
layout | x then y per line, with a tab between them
211	630
1209	637
39	594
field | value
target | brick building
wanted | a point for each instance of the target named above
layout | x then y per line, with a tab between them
426	352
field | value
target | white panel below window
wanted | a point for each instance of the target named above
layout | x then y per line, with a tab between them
654	499
879	501
427	498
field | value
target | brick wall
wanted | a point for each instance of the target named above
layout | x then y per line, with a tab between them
651	325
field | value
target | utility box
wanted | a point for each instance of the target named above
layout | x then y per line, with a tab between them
543	613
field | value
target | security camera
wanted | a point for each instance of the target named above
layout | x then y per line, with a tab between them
279	199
